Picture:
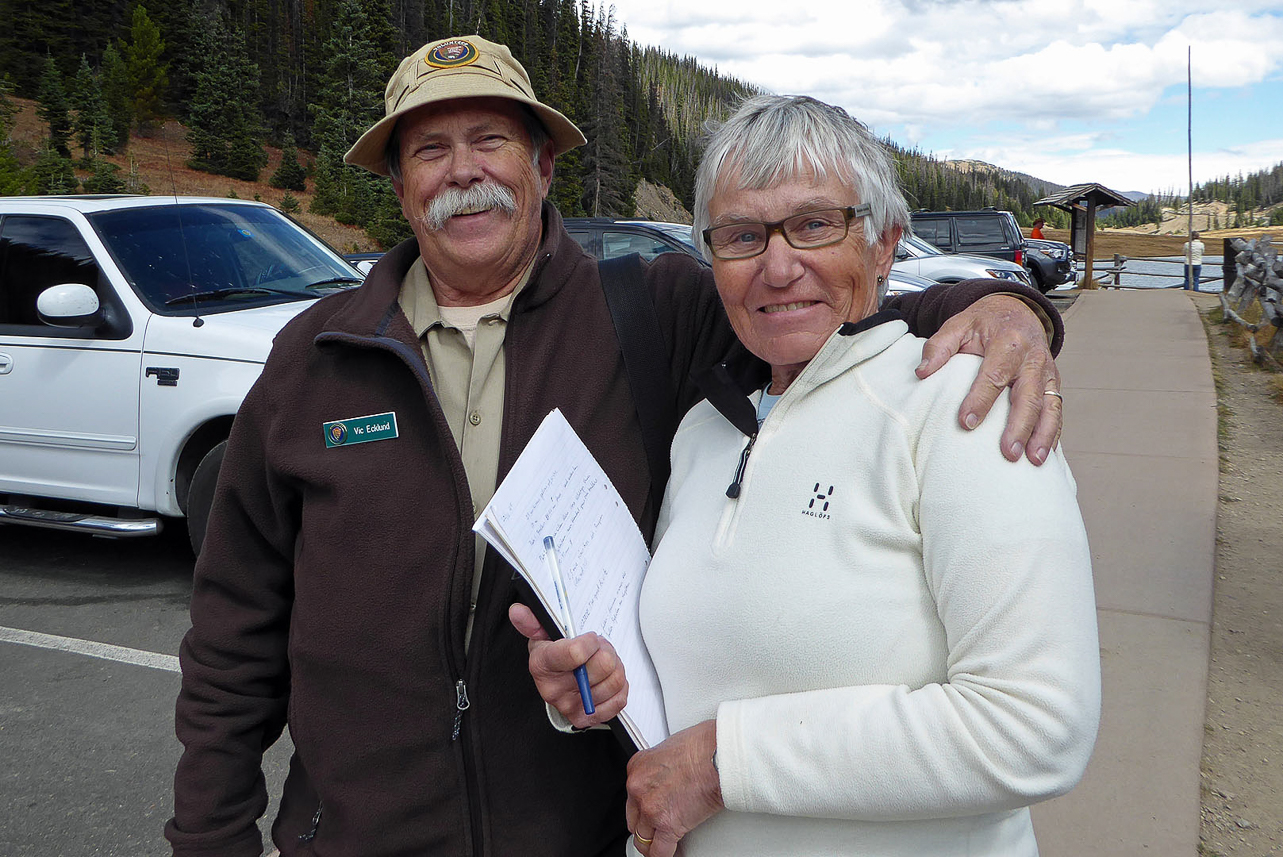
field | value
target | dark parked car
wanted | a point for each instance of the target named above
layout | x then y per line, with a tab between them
363	262
1050	263
607	239
988	232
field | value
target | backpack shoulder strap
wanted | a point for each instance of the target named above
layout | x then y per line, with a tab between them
645	360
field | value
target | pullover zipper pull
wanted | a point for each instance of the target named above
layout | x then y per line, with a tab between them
461	705
734	490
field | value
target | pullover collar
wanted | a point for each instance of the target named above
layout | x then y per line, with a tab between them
728	385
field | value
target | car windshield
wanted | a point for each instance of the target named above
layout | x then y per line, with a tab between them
209	257
677	230
924	248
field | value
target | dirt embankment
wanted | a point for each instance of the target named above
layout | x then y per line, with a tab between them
160	159
1242	772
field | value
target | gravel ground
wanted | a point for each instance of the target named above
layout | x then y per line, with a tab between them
1242	772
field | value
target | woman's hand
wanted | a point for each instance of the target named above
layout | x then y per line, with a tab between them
1013	342
552	665
672	789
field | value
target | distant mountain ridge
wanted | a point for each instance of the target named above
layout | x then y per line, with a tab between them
1042	187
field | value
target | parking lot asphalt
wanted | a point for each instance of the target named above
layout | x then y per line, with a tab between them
88	742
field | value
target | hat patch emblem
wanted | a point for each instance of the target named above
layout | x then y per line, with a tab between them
452	54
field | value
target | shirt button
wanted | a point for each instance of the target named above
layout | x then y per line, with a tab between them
475	418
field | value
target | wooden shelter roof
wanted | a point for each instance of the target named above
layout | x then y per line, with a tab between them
1081	193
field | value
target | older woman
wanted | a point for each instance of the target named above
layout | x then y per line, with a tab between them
874	635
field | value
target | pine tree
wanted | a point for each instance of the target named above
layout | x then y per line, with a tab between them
116	97
54	108
93	123
53	172
148	75
14	180
290	174
223	124
350	100
105	179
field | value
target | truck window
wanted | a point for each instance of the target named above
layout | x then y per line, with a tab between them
36	253
935	231
975	231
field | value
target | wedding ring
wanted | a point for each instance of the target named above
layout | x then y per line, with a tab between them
642	839
1053	393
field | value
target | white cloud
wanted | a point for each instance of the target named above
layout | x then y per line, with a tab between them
956	67
1087	159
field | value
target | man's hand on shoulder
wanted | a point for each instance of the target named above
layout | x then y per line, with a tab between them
1012	341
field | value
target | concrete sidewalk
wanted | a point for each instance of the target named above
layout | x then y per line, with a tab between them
1140	434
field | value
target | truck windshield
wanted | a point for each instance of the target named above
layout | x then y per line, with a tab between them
222	256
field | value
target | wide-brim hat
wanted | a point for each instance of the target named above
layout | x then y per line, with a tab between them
462	67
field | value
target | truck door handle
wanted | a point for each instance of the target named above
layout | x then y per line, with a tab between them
6	364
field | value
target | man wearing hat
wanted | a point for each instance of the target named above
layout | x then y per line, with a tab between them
340	588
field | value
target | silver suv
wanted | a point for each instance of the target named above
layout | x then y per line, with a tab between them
915	256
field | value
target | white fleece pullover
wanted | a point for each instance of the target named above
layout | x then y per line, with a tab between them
893	626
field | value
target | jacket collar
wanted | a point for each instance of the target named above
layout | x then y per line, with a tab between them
728	385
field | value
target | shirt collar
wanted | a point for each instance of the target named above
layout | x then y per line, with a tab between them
419	302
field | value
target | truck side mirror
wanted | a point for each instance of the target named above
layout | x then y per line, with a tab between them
69	305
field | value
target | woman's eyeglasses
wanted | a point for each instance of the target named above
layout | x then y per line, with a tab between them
805	231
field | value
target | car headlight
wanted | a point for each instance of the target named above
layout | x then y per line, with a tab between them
1002	274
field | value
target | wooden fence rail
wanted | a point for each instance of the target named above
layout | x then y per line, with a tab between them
1104	269
1258	277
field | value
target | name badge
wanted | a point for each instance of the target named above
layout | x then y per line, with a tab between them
360	429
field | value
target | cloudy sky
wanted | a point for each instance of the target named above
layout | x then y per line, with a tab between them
1066	90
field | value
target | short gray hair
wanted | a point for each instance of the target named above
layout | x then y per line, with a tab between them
772	138
539	138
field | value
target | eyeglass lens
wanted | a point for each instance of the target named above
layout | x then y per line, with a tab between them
802	231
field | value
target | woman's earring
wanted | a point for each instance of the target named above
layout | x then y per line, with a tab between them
881	280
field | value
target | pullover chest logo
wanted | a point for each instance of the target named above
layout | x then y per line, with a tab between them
818	507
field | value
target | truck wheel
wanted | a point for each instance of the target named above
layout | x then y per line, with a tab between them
200	496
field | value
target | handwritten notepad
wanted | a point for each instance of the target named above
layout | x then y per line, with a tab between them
556	488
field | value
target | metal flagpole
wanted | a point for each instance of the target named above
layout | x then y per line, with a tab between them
1189	126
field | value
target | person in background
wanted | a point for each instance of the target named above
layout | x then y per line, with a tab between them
1036	232
1193	261
874	636
340	589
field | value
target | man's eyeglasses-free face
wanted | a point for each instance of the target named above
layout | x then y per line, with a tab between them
805	231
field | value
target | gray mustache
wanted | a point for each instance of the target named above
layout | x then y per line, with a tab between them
453	201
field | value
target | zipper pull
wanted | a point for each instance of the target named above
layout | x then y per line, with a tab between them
734	490
316	822
461	704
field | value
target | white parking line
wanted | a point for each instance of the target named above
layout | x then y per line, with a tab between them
106	651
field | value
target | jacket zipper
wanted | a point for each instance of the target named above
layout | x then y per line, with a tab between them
737	484
412	358
316	822
730	514
461	704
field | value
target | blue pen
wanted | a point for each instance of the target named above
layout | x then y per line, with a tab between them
563	599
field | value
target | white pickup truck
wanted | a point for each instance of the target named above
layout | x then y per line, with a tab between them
130	330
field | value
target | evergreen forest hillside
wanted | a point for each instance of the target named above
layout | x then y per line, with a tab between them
302	79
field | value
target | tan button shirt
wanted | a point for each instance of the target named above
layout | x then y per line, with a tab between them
468	374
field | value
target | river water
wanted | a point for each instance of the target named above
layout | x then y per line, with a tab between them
1141	273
